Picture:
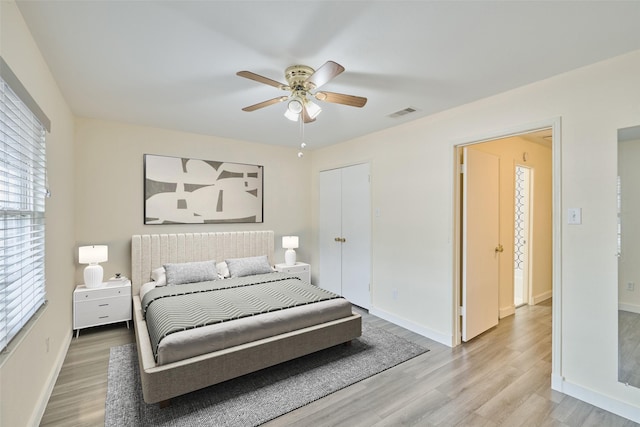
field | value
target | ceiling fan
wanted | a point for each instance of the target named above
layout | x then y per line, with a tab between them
302	82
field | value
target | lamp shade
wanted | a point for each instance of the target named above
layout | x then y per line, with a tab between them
93	254
290	242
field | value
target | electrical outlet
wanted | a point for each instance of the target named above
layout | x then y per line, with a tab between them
46	344
395	293
631	286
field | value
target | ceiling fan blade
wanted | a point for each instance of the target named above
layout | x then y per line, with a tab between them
339	98
263	104
325	73
305	115
261	79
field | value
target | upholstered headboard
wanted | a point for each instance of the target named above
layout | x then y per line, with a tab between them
150	251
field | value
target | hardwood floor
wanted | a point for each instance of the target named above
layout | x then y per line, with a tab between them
79	394
629	347
500	378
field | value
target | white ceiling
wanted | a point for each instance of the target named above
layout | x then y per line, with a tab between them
172	64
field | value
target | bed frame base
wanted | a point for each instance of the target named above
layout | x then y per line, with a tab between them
163	382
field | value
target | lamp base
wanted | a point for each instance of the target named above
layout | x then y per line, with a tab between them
93	274
290	257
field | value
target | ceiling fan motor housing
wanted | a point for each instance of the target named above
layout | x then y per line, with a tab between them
296	76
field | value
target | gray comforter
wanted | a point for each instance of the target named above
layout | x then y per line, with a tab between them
171	309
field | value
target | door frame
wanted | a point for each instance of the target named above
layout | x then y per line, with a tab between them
556	329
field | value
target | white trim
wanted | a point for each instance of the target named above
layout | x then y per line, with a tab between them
633	308
425	332
507	311
38	413
615	406
556	284
537	299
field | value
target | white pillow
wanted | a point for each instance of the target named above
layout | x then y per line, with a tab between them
223	270
191	272
159	276
239	267
146	288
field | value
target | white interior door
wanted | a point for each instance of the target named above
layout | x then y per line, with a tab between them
330	229
480	242
356	232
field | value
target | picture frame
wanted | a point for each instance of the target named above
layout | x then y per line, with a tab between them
180	190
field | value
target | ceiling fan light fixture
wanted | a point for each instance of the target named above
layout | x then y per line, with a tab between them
313	109
290	115
295	106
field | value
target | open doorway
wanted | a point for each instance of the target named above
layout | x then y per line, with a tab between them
532	155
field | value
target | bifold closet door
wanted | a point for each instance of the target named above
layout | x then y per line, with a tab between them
330	228
345	232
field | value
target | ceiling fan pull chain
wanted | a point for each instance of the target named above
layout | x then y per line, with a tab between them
302	143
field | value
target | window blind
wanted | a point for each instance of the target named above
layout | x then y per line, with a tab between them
22	214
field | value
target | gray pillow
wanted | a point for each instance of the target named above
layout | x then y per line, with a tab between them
239	267
190	272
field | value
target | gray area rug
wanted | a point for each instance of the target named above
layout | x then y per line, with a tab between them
255	398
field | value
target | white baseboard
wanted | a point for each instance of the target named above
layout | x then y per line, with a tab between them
537	299
507	311
37	415
623	409
425	332
629	307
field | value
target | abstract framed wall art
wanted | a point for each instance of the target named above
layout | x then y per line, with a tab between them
179	190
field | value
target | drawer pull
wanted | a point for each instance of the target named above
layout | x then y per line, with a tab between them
103	317
103	305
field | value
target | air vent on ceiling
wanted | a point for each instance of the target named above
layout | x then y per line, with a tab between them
404	112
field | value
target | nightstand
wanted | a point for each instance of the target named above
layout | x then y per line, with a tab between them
100	306
300	269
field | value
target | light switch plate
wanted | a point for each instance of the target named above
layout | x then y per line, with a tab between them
575	216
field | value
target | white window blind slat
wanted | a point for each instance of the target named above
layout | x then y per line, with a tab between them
22	206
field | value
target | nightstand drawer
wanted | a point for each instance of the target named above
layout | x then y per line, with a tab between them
300	269
100	293
294	269
103	311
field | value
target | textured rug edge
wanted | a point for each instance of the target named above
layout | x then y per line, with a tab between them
426	350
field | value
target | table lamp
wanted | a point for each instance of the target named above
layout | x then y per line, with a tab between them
93	255
290	243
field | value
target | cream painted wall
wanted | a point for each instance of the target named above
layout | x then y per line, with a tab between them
109	186
510	152
412	187
629	268
29	371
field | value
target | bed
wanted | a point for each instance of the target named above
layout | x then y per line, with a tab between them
291	332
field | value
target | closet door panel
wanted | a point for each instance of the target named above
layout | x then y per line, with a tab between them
330	219
356	232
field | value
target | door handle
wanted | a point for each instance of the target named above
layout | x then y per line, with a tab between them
340	239
499	248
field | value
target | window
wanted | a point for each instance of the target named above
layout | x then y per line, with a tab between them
22	213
